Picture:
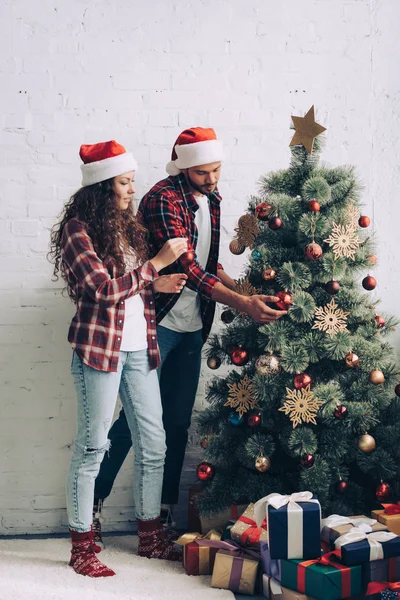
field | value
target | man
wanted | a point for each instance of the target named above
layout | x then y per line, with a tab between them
186	204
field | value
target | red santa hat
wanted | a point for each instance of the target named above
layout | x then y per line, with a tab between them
195	146
103	161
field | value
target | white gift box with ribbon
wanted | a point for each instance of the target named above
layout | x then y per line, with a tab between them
295	547
374	546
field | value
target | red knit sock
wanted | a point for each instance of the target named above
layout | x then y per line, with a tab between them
153	542
83	558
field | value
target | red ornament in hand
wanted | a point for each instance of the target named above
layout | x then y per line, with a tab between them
380	321
313	206
187	258
254	420
383	492
369	283
285	300
302	380
239	357
275	223
307	460
313	251
205	471
262	211
341	486
364	221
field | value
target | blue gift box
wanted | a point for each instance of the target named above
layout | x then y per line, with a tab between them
281	535
387	569
357	553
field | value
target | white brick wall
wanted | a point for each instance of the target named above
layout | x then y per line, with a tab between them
139	72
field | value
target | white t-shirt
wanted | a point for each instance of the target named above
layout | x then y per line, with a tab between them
134	332
185	315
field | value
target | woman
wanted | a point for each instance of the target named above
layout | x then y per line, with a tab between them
100	250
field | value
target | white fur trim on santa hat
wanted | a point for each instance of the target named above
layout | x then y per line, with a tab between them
192	155
106	169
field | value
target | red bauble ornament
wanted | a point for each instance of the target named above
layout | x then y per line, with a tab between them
227	316
332	287
369	283
262	211
187	258
383	492
204	443
380	321
364	221
239	357
254	420
275	223
205	471
372	259
301	380
340	412
285	300
313	206
307	460
397	389
313	251
341	486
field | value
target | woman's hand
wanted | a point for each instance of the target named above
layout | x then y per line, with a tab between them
169	253
170	284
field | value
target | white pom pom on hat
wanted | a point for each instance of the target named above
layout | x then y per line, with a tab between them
195	146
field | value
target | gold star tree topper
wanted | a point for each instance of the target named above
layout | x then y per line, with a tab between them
330	318
306	131
301	406
241	396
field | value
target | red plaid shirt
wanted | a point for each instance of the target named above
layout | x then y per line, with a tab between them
168	211
96	329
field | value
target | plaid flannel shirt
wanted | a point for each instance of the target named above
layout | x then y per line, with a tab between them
96	329
168	211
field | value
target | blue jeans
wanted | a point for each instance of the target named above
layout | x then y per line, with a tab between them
179	377
97	393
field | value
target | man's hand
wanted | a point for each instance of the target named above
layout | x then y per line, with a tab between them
170	284
256	308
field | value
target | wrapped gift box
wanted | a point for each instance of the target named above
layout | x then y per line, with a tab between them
324	579
293	524
336	525
235	571
245	530
387	569
220	520
357	547
392	521
197	559
274	591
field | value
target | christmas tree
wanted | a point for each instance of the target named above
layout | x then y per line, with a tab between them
311	402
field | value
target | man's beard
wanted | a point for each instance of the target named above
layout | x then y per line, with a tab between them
197	187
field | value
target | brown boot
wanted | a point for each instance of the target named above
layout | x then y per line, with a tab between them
153	542
83	558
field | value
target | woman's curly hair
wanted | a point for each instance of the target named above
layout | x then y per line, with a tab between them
111	230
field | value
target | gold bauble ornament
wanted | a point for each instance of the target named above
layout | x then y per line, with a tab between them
376	377
236	248
269	274
262	463
267	364
352	360
366	443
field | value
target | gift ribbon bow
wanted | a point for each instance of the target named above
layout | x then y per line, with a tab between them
392	509
253	533
326	561
374	539
375	588
187	538
364	523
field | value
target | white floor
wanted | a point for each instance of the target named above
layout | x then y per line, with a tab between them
37	569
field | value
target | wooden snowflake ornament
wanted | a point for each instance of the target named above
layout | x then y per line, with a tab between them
301	406
344	241
241	396
330	318
247	230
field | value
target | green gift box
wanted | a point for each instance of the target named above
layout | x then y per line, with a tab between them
325	578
